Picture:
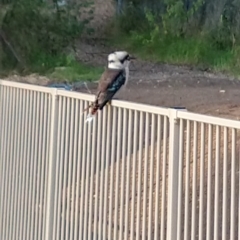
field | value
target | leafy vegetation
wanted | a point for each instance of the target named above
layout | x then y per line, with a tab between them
193	32
36	35
75	71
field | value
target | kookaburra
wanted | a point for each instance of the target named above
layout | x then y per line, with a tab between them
113	78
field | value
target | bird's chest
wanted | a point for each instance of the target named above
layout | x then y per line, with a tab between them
127	75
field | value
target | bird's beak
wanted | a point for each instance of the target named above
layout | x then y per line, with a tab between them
131	58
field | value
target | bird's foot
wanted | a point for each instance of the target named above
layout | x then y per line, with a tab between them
109	103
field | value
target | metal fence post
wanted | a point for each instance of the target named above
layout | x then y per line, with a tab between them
173	175
51	168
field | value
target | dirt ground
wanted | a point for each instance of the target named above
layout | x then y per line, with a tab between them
165	85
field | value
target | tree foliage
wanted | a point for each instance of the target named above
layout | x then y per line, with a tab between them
218	19
40	32
192	32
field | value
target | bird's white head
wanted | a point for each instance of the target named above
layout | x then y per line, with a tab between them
113	62
124	57
119	60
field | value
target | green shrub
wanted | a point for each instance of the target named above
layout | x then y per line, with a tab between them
183	32
40	33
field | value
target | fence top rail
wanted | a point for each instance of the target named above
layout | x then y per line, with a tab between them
128	105
117	103
26	86
208	119
86	97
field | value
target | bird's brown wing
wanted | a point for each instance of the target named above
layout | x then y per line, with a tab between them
107	78
109	83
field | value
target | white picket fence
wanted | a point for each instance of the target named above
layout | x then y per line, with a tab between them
136	172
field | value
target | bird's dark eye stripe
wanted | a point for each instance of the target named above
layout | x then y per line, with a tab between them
111	61
126	58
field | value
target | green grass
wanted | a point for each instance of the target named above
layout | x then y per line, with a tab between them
59	68
65	67
76	72
194	51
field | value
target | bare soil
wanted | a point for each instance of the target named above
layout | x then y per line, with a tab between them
167	85
163	84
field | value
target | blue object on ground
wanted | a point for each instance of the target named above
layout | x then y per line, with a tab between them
61	86
178	108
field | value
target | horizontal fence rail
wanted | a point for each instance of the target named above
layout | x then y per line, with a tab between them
135	172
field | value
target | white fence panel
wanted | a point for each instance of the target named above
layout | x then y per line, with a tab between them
208	202
83	181
135	172
111	174
24	149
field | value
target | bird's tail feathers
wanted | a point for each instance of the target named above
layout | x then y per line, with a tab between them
94	108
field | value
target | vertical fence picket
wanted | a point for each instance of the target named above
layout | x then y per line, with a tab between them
51	168
173	175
